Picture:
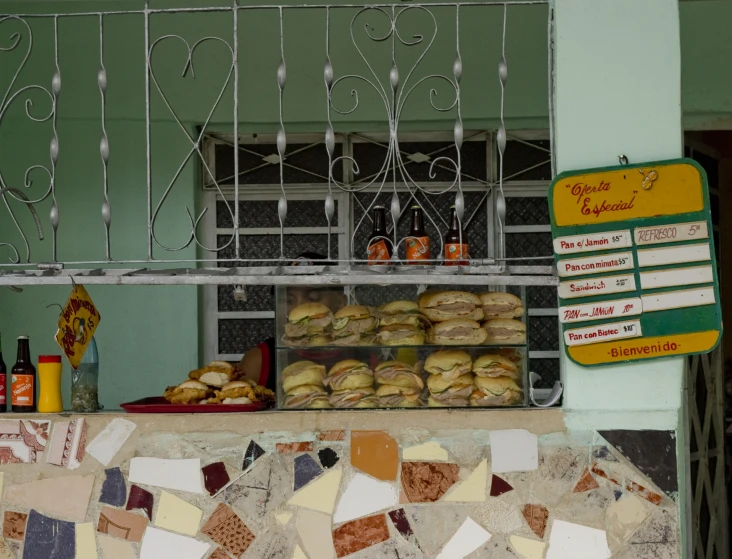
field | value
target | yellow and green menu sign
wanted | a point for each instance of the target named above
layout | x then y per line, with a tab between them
635	256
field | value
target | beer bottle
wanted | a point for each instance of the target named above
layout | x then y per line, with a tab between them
456	244
380	247
418	243
3	381
24	379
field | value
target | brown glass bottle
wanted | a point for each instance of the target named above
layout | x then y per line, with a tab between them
24	379
456	243
418	243
380	248
3	381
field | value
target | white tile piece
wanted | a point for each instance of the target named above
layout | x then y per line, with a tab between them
298	553
158	544
86	543
431	451
514	450
362	496
183	475
107	443
177	515
625	515
283	517
112	548
473	488
320	494
2	475
469	537
314	529
5	551
528	549
574	541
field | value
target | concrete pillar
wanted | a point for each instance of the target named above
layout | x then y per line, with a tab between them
618	91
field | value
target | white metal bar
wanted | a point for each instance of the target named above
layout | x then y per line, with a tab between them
543	355
244	315
543	312
276	230
528	229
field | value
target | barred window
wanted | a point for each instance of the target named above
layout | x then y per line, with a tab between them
233	326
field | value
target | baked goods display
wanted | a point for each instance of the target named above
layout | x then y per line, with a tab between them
219	382
448	378
434	339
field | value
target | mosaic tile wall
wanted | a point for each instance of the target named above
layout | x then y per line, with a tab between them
156	488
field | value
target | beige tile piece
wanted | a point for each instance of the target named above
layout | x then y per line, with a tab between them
86	543
625	516
65	497
112	548
528	549
298	553
283	518
5	551
2	476
177	515
430	451
472	489
321	494
315	533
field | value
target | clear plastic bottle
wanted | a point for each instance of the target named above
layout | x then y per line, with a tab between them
85	382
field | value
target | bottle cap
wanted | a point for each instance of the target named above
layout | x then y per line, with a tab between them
22	337
379	207
416	207
49	359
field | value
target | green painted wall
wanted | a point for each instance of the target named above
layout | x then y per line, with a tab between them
149	336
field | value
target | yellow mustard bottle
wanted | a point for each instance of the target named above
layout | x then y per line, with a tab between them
49	377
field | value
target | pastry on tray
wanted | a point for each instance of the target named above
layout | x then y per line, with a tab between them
495	391
505	331
305	322
306	396
449	363
457	331
447	305
351	324
216	373
501	305
188	392
495	366
449	393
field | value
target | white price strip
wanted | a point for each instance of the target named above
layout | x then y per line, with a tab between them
596	286
676	277
596	241
595	264
603	333
679	299
674	255
671	233
603	309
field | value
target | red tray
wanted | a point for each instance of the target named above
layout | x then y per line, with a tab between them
158	404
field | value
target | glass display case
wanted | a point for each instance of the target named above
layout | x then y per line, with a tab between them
401	346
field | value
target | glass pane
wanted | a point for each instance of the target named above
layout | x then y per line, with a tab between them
259	298
240	335
259	164
547	369
263	213
268	247
530	244
543	333
522	162
527	211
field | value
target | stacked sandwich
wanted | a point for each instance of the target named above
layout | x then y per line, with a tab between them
308	325
500	311
495	380
353	325
218	382
303	385
455	316
352	385
400	323
399	385
450	382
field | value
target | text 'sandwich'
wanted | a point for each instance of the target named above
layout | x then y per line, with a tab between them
495	391
501	305
495	366
447	305
448	393
305	322
505	331
457	331
449	364
353	325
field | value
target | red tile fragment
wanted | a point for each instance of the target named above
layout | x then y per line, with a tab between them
360	534
292	448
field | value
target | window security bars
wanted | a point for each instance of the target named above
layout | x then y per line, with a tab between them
393	47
